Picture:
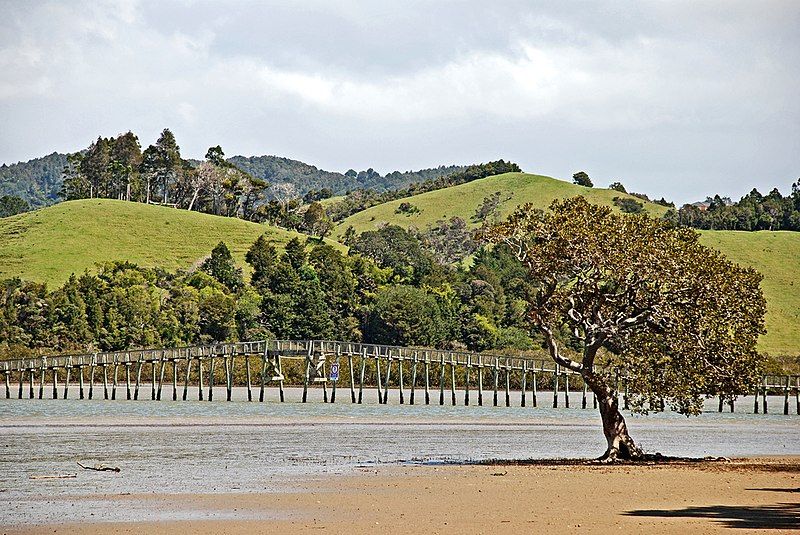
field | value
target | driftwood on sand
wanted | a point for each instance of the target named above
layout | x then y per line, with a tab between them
100	468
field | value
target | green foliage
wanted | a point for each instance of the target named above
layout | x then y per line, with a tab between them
680	318
582	179
617	186
408	316
221	266
397	249
754	211
12	205
37	181
628	205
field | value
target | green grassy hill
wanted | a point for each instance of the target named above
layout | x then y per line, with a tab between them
776	255
464	199
49	244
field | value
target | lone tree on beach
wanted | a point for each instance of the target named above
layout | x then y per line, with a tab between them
639	298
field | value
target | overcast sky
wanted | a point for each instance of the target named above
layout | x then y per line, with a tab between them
680	99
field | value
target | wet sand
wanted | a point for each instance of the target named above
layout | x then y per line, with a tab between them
745	495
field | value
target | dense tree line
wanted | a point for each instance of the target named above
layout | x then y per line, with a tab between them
12	205
388	289
754	211
37	181
362	199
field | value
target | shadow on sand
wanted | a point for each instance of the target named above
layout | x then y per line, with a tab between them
778	516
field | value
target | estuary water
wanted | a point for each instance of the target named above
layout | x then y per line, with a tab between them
219	447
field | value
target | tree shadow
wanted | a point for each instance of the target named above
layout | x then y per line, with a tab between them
778	516
778	490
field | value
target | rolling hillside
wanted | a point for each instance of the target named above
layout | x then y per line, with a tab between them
464	199
776	255
49	244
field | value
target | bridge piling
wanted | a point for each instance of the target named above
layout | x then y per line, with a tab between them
566	390
786	397
211	377
441	380
452	381
555	388
114	380
80	381
55	383
333	387
764	397
21	383
174	379
388	375
524	383
352	377
247	377
8	384
466	380
414	359
508	385
41	379
378	378
480	381
400	379
427	379
66	382
227	363
162	364
533	387
495	379
188	372
200	378
264	358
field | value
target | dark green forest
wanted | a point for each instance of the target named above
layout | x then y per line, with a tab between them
388	289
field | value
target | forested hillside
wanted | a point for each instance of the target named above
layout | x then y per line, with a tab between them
37	181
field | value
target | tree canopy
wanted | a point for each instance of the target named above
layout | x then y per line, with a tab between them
639	298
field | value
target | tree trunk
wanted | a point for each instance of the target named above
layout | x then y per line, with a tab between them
620	444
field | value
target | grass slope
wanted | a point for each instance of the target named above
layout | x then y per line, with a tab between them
776	255
463	200
48	245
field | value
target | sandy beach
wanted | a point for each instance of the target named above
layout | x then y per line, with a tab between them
744	495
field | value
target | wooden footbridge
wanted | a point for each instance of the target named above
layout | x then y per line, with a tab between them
259	364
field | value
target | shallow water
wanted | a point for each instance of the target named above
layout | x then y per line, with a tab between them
213	447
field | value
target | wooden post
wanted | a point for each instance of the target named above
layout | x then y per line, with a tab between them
566	390
495	372
583	399
231	367
307	372
128	379
264	357
247	377
786	397
413	377
594	400
161	367
188	372
138	378
378	376
226	362
31	394
508	384
452	381
361	376
324	360
721	403
21	383
280	381
480	381
755	402
400	379
80	382
114	380
388	375
466	380
427	379
555	387
174	379
352	377
153	380
200	378
797	395
333	386
441	380
211	378
730	404
66	383
55	382
8	385
524	382
533	384
41	380
764	396
91	378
